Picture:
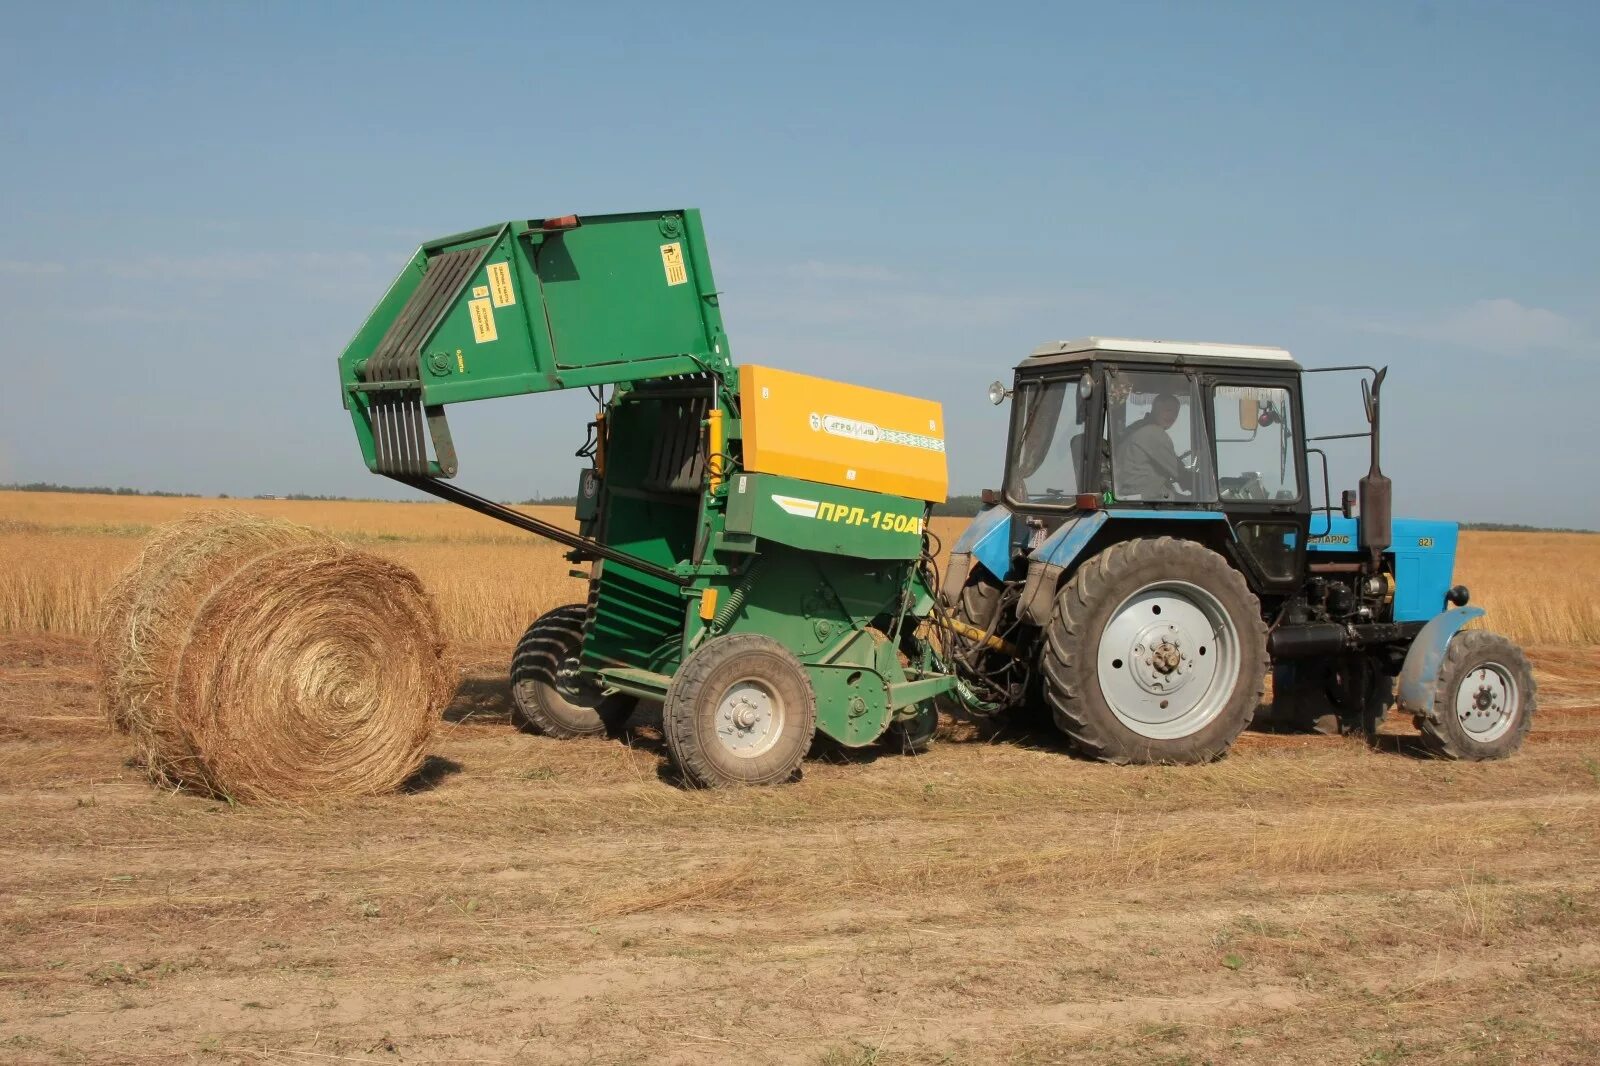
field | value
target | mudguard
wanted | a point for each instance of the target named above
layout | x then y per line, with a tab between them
1419	677
987	539
1050	559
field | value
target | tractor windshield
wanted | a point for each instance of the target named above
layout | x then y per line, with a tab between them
1255	443
1047	442
1157	437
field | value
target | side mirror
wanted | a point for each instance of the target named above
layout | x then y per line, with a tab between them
1347	503
998	393
1249	413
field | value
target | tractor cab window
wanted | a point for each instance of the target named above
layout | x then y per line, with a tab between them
1048	441
1158	445
1255	443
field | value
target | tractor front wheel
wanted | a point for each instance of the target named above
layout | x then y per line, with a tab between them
548	694
1484	702
1156	654
739	711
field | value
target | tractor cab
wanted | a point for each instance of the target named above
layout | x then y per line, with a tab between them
1162	429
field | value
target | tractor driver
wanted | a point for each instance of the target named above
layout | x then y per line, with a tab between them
1148	464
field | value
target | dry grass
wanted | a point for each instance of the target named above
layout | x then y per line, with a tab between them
1539	588
59	552
991	902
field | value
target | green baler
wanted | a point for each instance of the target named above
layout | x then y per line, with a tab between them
756	539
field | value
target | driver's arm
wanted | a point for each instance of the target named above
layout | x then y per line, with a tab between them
1164	458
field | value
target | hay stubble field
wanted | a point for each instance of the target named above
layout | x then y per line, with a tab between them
993	901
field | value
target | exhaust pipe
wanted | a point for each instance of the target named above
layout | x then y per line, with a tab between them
1374	530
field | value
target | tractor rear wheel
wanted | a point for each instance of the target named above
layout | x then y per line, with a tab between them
739	711
1484	702
548	694
1156	654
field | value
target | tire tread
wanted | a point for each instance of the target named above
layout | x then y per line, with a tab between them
1068	642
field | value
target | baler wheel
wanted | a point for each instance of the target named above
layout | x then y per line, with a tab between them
548	695
1157	653
740	711
1484	702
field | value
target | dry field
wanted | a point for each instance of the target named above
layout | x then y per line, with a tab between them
59	551
994	901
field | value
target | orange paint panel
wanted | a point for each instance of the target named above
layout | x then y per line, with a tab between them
837	434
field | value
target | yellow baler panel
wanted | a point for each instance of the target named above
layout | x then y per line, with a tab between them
819	430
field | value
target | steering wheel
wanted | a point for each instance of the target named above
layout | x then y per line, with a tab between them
1247	486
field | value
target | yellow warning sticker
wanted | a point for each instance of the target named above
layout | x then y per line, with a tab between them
482	321
480	291
672	259
500	284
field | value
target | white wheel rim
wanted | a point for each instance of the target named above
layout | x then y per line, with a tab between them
749	718
1168	660
1487	702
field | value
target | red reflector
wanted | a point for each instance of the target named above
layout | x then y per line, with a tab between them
1087	501
564	222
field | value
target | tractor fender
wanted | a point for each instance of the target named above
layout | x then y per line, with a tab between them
986	539
1420	674
1050	560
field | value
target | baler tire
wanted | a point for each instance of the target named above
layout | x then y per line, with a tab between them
1085	606
545	699
707	680
1443	732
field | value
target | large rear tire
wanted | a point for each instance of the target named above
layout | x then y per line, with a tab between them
548	694
739	711
1484	702
1157	653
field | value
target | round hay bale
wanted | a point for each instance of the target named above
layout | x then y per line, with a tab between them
145	616
314	670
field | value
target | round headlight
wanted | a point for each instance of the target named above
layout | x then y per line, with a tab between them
998	393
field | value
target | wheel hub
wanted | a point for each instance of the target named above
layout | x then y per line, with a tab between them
749	718
1166	657
1168	660
1159	663
1486	702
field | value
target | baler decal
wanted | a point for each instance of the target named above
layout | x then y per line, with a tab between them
500	284
672	261
796	506
848	515
855	429
483	329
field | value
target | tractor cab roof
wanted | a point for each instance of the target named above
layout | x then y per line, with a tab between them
1089	349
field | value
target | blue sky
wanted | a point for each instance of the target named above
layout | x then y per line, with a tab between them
201	203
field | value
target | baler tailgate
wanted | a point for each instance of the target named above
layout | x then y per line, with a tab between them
396	356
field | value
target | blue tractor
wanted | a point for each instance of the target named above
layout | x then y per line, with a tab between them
1164	537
